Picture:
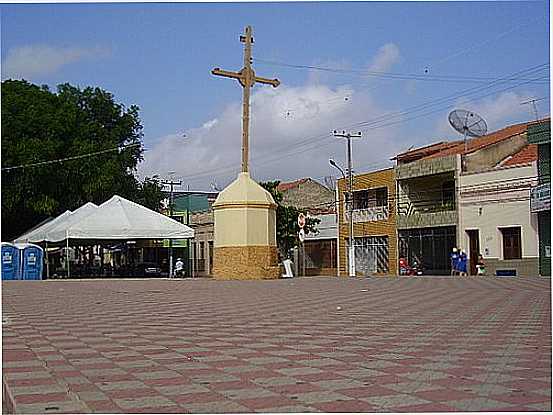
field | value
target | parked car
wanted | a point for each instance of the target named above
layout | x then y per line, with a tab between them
146	269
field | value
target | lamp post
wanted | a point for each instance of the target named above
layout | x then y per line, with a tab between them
348	137
351	250
171	183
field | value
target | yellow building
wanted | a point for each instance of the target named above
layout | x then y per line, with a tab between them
374	223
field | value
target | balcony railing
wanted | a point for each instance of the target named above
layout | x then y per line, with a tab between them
371	214
410	208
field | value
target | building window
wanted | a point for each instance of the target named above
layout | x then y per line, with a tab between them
370	198
511	243
448	192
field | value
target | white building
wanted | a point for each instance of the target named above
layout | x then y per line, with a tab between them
495	219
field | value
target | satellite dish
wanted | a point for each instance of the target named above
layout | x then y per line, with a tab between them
467	123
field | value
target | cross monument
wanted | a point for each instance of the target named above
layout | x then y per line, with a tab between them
246	77
244	245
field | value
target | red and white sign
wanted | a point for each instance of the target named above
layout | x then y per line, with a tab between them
301	220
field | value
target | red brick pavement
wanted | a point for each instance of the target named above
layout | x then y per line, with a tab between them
204	346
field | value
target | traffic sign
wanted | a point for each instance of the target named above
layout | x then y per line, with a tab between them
301	235
301	220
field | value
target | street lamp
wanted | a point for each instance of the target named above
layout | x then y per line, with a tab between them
351	250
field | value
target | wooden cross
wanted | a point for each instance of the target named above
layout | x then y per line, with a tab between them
246	77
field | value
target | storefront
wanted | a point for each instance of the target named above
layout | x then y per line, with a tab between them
429	246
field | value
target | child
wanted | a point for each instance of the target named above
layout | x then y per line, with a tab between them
480	266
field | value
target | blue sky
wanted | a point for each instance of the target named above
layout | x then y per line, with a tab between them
159	57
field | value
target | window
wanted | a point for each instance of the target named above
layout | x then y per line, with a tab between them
363	199
360	199
381	196
511	243
448	192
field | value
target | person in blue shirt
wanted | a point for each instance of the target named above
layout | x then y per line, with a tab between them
463	263
454	256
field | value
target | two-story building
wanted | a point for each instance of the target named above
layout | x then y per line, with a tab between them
430	183
374	223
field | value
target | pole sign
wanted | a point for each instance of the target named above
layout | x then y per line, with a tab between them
301	220
540	198
301	235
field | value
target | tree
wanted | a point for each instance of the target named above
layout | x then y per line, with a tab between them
40	125
287	227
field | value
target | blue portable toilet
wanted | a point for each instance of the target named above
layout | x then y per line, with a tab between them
10	262
31	260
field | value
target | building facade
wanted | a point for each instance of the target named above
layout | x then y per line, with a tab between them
374	223
317	256
427	216
321	247
194	208
430	219
495	219
540	201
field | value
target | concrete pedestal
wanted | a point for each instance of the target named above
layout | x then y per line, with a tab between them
245	232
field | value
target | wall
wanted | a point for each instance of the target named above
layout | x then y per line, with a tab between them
494	199
426	167
309	194
373	180
491	156
202	223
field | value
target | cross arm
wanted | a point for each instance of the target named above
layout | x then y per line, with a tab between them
273	82
227	74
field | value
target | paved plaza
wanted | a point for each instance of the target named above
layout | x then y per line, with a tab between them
301	345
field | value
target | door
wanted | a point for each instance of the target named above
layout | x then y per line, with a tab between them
474	249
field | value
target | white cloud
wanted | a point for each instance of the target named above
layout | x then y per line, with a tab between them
38	60
290	134
290	138
387	56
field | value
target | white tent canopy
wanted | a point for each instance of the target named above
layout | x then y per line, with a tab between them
119	218
58	232
39	234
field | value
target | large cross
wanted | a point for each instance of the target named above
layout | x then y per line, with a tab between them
246	77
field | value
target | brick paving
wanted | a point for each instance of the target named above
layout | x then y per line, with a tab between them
301	345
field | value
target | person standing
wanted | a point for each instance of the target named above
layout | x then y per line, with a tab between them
454	257
179	268
463	264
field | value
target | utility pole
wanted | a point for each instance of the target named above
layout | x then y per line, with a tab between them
351	253
171	183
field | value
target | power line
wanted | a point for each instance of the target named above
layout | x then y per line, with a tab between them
42	163
378	122
397	76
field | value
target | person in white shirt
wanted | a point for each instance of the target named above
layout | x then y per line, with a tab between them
179	268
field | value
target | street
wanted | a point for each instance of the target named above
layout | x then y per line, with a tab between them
320	344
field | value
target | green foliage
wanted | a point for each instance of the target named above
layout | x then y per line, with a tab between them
287	227
40	125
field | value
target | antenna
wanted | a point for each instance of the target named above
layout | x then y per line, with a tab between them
214	186
534	106
330	182
467	123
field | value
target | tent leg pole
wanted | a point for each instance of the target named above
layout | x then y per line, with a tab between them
67	259
47	263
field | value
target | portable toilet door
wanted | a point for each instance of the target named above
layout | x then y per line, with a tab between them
10	262
32	262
